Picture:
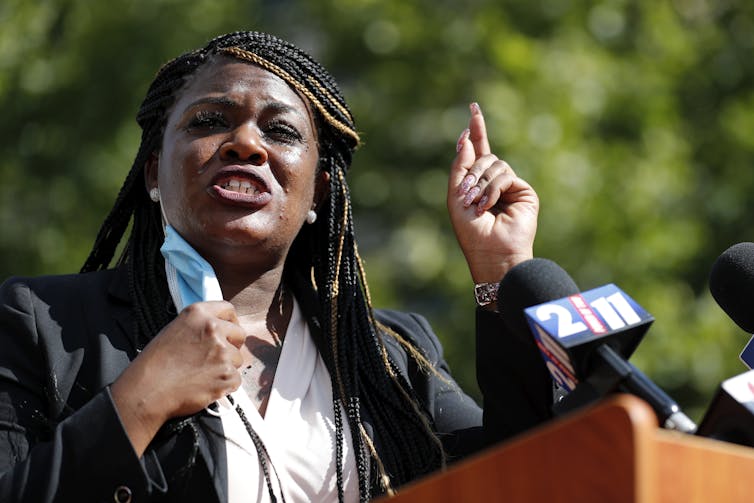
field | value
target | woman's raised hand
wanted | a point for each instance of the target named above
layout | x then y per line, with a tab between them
493	212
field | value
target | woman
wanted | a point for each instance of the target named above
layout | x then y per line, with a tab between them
232	353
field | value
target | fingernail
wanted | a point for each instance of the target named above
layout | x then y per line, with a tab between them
467	183
461	139
480	205
470	196
474	107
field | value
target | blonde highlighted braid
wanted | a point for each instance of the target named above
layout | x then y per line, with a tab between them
323	269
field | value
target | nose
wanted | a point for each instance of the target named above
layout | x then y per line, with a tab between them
244	144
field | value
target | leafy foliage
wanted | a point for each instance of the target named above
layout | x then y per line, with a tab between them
634	120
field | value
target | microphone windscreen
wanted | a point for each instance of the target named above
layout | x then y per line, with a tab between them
530	283
731	284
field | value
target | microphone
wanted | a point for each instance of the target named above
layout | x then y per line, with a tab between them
730	416
585	338
534	281
731	284
526	284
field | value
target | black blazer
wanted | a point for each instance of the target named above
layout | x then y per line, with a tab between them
64	339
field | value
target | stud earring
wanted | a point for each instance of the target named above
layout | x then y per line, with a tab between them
154	194
311	216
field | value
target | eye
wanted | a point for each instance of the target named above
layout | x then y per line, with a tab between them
283	132
208	120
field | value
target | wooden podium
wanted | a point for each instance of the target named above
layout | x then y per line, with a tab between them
612	452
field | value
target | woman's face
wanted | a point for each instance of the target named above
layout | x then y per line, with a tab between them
237	172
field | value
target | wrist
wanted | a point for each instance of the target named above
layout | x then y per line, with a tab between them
494	271
141	414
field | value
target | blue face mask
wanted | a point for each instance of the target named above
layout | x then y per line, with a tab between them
190	277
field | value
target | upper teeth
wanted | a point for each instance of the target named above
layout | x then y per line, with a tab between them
242	186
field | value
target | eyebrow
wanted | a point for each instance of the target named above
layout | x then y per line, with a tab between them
275	106
213	100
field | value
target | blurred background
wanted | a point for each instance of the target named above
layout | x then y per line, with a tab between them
634	120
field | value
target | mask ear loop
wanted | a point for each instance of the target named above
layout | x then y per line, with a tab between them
170	271
221	407
163	216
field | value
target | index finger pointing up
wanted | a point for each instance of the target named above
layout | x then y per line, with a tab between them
478	131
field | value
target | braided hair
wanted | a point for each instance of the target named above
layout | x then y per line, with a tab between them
323	268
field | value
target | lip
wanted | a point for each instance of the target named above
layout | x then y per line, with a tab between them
252	175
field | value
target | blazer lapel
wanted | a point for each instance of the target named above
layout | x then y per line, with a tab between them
212	449
123	316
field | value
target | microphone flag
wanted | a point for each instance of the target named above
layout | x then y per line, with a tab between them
567	330
730	416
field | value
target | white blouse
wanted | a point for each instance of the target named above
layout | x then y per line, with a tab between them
298	431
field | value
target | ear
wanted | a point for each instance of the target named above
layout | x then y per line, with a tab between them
321	188
150	171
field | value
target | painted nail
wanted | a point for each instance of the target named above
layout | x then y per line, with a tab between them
480	205
461	139
467	183
475	109
470	196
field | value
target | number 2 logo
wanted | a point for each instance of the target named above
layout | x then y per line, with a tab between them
566	325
